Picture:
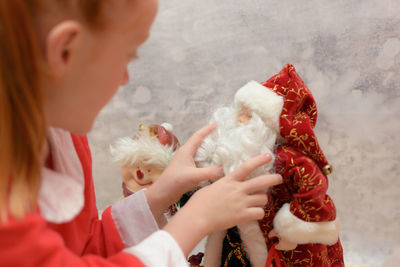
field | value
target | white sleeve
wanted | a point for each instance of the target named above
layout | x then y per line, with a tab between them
133	219
159	249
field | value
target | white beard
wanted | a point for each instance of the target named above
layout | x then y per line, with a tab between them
231	144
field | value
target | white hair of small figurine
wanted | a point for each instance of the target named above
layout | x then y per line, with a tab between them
143	148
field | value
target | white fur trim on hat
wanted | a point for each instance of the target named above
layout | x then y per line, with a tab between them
295	230
143	148
261	100
167	126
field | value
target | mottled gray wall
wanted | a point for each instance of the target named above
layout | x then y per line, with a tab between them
347	51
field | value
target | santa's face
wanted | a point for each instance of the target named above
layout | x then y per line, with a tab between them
244	115
139	175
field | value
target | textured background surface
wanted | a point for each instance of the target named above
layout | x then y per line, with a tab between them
348	53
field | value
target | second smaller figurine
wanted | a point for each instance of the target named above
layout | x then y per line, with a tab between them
144	157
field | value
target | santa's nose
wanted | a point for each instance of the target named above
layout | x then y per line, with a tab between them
139	174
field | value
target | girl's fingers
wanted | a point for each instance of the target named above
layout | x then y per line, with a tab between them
244	170
262	182
257	200
209	173
197	138
254	213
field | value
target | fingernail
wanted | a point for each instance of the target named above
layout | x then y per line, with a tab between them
280	177
268	155
221	170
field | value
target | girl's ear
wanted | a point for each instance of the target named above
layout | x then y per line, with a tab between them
61	45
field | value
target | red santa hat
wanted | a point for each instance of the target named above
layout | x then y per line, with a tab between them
299	115
155	144
163	133
288	107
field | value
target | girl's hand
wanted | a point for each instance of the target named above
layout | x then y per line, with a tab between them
181	175
223	204
232	200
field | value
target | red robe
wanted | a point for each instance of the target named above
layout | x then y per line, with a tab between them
304	188
85	240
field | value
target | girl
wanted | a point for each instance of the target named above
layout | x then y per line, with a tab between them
61	62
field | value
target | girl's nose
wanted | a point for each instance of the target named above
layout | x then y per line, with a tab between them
125	77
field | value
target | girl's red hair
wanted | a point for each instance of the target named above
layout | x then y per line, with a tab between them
22	121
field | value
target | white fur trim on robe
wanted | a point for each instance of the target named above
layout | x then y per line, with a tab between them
295	230
253	240
61	194
254	243
213	249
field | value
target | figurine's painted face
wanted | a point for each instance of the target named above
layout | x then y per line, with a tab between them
244	115
138	175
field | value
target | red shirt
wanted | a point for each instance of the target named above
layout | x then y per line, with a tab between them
83	241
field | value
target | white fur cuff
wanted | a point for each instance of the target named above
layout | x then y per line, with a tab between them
295	230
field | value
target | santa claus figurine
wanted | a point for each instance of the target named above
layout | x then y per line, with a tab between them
144	157
300	226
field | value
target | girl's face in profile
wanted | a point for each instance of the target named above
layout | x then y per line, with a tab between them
96	65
